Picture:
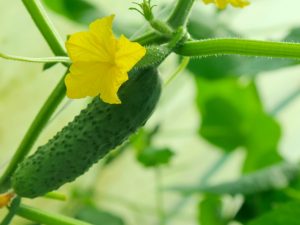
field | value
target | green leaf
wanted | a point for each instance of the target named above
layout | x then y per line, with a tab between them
232	116
222	129
80	11
96	216
152	157
272	178
210	211
261	143
286	214
259	203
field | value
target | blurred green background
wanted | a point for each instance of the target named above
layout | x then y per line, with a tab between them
218	110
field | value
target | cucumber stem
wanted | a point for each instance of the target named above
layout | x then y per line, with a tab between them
46	218
236	46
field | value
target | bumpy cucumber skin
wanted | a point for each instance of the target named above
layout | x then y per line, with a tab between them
91	135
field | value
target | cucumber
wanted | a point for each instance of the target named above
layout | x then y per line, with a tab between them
90	136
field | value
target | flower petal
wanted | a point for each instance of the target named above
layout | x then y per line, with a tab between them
92	79
221	4
5	199
128	53
96	45
239	3
111	86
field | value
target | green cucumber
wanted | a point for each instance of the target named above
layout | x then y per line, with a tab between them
90	136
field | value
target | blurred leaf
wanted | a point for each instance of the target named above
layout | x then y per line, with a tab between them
232	116
259	203
222	129
139	141
152	157
261	143
80	11
210	211
98	217
275	177
286	214
143	138
293	35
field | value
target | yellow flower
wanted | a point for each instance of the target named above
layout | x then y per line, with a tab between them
223	3
100	62
5	199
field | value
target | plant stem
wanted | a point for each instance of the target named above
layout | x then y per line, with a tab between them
36	60
178	18
33	132
40	18
55	196
12	211
150	38
45	217
235	46
180	15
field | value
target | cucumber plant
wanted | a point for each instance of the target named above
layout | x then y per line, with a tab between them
101	127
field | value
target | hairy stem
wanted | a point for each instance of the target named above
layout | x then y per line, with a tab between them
45	217
235	46
180	15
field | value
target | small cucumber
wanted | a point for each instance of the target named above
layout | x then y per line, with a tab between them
91	135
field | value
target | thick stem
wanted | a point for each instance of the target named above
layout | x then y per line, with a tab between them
33	132
46	218
180	15
40	18
235	46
